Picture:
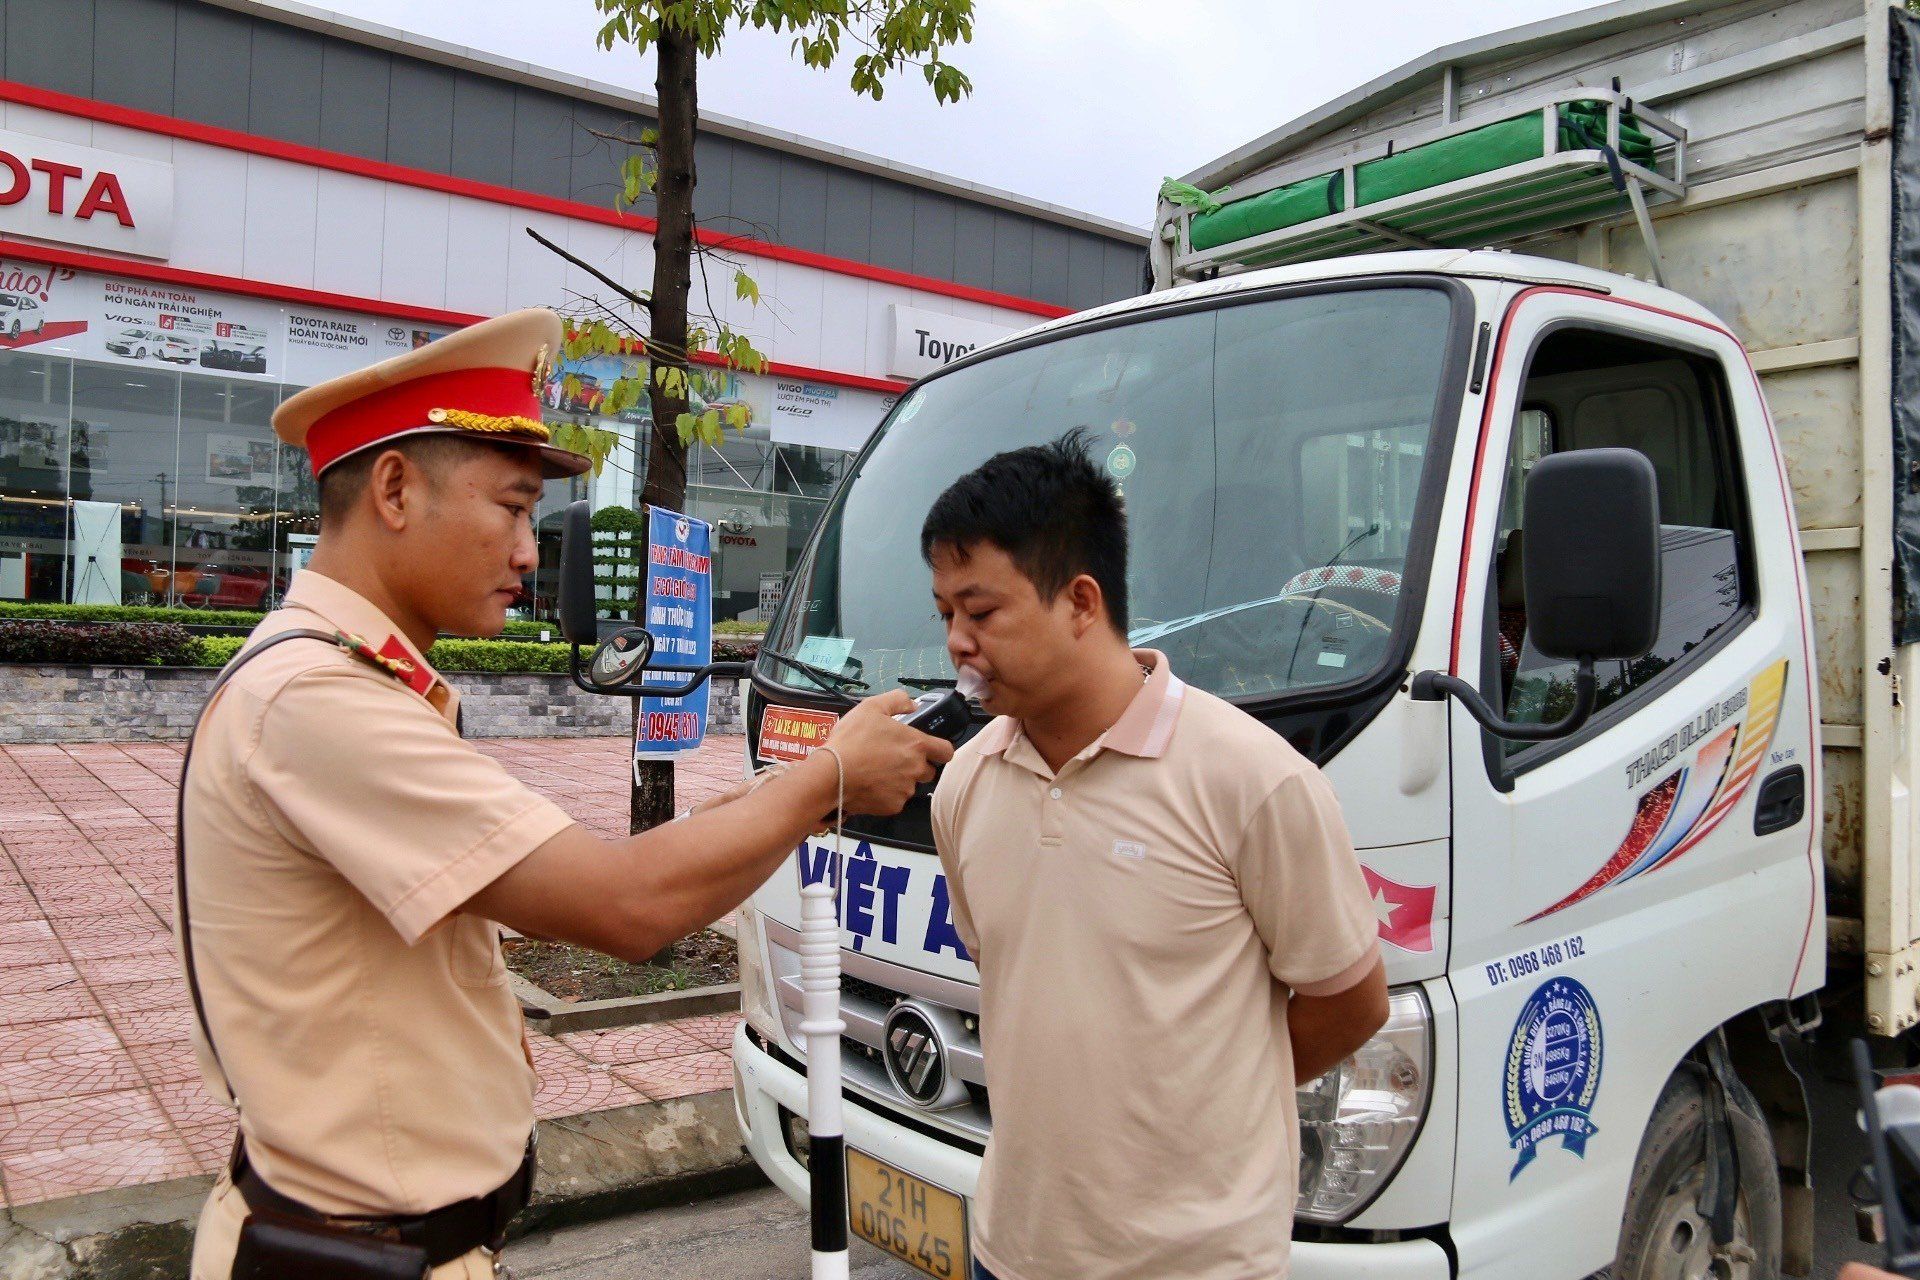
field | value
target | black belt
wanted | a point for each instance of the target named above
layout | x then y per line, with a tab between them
446	1233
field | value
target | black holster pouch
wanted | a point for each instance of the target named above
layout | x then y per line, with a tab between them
274	1247
283	1239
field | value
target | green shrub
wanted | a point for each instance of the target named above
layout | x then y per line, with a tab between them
129	613
730	627
497	655
218	651
166	644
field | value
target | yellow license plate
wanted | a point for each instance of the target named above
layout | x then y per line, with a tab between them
922	1225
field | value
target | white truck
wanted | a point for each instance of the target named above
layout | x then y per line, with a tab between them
1685	228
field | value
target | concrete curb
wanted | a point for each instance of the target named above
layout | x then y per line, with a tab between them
591	1166
553	1016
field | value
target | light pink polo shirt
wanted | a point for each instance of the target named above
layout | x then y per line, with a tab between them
1139	920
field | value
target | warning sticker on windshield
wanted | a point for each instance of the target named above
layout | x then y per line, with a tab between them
791	733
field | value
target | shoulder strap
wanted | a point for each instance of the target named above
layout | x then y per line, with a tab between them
180	827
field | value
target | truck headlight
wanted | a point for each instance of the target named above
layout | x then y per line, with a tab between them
1358	1121
756	994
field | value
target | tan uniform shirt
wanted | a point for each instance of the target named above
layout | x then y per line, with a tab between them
335	823
1139	920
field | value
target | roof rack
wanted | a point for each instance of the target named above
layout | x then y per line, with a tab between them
1565	158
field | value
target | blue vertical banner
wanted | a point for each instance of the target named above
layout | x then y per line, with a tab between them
679	613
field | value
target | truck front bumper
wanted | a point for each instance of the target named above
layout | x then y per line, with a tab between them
763	1085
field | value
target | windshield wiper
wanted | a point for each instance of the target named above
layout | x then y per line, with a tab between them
829	681
927	682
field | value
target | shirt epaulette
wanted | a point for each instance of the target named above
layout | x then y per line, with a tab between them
391	659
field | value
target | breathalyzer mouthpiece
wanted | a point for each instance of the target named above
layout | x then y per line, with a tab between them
971	684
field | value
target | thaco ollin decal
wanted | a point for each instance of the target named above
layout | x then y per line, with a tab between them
1684	806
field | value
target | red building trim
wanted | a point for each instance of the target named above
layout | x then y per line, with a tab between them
253	144
160	274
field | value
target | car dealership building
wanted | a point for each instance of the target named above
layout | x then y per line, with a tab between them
206	206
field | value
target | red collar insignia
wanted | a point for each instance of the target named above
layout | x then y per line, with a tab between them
392	658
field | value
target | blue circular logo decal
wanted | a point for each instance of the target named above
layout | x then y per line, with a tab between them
1553	1071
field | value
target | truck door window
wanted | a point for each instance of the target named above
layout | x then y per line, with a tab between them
1587	390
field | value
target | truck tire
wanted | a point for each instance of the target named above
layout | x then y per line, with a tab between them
1663	1235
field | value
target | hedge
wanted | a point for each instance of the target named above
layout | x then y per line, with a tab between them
137	644
129	613
150	644
10	611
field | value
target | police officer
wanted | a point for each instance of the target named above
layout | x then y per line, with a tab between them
345	856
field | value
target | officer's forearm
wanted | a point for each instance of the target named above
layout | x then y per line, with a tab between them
689	873
631	897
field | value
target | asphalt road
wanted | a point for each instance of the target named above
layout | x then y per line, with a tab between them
751	1235
760	1235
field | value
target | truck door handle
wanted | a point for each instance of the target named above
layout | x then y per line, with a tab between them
1782	801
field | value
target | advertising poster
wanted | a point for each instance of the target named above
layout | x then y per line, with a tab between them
322	344
142	323
240	460
43	306
133	322
823	415
679	613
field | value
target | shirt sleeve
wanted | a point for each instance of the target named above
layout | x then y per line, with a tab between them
946	843
371	779
1302	885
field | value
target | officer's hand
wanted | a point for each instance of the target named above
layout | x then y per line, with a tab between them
884	759
1861	1271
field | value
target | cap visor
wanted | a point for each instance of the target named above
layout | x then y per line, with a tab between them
559	463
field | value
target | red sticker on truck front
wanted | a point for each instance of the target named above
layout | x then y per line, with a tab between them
791	733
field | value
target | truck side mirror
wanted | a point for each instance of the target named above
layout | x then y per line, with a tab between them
577	605
1591	577
1592	568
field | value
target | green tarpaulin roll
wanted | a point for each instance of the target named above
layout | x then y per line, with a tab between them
1583	127
1287	206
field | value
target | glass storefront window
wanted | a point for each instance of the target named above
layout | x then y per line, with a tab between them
35	396
125	449
141	483
224	495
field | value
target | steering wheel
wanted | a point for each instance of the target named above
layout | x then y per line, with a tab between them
1368	622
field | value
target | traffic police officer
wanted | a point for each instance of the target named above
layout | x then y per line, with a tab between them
345	856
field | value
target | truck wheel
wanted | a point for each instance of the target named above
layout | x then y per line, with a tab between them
1664	1236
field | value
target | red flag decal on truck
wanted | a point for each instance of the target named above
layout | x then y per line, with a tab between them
1404	911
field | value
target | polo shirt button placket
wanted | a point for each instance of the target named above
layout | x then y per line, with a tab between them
1052	819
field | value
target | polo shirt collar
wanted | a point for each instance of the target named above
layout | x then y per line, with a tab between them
1144	729
345	609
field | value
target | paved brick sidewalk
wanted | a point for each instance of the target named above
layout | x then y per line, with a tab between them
98	1087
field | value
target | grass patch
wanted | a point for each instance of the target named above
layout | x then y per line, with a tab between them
571	974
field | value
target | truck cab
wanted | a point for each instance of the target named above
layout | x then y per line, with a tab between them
1324	467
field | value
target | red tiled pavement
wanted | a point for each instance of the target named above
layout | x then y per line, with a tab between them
98	1086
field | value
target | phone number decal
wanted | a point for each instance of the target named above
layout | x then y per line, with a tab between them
1525	964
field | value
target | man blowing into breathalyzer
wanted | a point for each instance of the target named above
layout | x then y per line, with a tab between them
1171	927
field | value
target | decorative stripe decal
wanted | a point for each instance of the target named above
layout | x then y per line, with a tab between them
1686	805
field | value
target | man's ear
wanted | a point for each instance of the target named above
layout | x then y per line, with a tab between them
1087	602
393	487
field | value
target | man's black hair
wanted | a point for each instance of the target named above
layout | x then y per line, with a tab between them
1050	508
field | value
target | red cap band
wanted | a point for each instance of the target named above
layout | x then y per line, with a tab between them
499	393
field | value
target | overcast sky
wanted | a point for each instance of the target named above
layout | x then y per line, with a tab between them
1083	103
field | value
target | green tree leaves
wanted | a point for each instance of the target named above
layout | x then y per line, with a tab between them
893	35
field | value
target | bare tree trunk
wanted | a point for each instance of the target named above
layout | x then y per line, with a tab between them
666	486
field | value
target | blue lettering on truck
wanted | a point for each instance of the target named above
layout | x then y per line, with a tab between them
871	894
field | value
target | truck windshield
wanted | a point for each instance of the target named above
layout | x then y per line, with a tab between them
1270	454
